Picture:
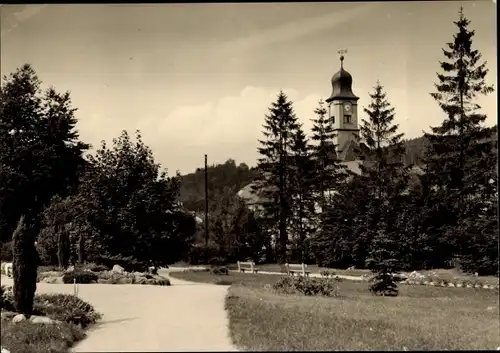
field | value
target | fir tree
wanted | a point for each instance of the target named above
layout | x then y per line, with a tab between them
303	211
383	167
337	243
328	171
460	151
385	179
275	168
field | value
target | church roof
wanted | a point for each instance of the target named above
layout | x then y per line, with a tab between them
342	85
350	151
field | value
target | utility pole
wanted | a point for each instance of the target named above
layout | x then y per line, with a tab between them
206	201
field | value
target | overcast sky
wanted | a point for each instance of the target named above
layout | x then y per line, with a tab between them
198	78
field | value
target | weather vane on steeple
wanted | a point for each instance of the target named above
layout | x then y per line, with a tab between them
342	52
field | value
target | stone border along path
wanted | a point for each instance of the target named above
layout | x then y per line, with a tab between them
360	278
185	316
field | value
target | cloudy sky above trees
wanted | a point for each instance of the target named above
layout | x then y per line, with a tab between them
198	78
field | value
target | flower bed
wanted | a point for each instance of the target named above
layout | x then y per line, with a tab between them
433	279
91	273
59	321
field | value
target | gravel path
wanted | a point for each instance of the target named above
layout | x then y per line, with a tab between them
181	317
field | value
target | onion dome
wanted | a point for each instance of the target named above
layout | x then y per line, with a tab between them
342	85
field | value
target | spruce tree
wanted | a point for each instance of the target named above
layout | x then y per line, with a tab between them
303	200
385	178
460	150
275	168
327	169
337	244
25	262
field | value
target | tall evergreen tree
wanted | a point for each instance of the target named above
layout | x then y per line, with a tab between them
327	169
275	168
303	220
337	243
385	178
460	151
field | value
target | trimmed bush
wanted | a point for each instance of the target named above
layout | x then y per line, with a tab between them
24	267
67	308
307	286
220	270
83	277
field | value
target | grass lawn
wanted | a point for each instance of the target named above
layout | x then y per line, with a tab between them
420	318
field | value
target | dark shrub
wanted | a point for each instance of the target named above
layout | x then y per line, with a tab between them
24	263
67	308
51	268
217	261
129	264
220	270
80	277
307	286
6	253
328	273
6	299
384	284
63	248
200	254
93	267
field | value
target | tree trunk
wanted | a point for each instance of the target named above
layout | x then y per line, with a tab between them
81	248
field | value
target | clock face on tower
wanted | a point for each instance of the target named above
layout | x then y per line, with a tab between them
347	107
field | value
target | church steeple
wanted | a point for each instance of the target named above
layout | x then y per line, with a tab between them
343	110
342	83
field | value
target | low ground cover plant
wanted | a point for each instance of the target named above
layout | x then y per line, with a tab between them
70	314
67	308
220	270
28	337
307	286
79	276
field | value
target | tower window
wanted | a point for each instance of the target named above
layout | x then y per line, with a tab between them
332	119
347	119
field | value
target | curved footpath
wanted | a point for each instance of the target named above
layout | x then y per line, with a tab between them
182	317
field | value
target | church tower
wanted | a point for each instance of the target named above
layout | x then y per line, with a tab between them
343	110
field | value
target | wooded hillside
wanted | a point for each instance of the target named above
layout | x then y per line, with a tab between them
230	175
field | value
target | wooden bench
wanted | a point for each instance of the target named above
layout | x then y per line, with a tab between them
299	269
250	265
